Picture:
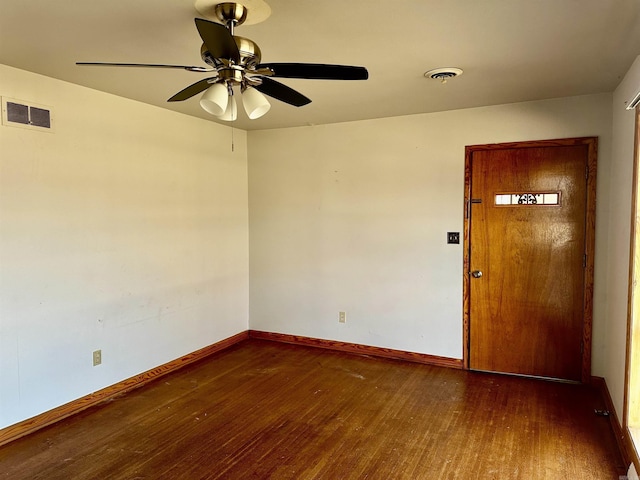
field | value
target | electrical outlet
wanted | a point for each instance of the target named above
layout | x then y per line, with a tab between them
97	357
453	237
342	317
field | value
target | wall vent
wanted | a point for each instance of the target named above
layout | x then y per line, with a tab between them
18	113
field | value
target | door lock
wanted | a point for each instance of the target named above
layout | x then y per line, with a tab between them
476	274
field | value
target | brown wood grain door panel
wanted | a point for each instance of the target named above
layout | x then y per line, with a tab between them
526	313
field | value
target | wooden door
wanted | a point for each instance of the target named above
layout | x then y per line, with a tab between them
529	236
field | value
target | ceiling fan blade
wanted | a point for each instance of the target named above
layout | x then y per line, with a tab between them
191	90
218	40
146	65
281	92
317	71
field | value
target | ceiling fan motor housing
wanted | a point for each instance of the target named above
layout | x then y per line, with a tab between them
250	54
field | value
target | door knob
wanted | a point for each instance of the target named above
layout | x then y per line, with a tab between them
476	274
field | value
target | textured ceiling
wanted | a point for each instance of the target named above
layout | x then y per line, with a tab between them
510	50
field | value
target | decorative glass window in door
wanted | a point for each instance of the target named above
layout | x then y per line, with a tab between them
527	198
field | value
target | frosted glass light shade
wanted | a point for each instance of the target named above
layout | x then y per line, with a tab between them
231	113
215	99
255	103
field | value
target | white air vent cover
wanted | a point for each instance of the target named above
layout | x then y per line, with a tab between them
18	113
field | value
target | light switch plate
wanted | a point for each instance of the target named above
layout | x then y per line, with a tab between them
453	237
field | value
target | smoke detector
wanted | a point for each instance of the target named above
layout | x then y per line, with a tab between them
443	74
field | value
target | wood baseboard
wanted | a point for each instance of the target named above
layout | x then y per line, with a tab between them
358	349
13	432
622	435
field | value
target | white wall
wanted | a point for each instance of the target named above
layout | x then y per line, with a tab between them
619	219
353	217
124	230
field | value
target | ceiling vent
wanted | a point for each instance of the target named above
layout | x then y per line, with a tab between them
443	74
18	113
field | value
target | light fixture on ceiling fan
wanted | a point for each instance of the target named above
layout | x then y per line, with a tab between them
235	64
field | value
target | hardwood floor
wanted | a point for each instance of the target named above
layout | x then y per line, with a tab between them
269	410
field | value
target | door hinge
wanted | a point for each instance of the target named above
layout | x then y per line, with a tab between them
586	172
584	261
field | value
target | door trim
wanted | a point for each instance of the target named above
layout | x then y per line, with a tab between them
592	145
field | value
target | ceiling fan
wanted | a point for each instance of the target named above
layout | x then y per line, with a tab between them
234	61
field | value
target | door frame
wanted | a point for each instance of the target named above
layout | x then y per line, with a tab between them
592	148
